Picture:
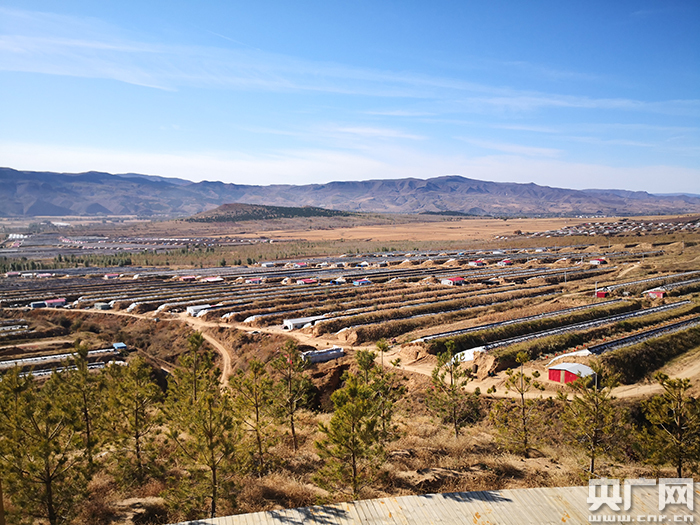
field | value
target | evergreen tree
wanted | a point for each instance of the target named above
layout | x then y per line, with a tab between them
516	422
388	389
134	407
205	432
366	361
382	348
86	390
41	450
591	420
385	385
291	392
448	397
351	447
194	343
674	435
253	401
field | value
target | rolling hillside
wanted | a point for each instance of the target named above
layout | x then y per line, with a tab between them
26	193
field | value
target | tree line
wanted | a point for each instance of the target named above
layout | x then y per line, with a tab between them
198	438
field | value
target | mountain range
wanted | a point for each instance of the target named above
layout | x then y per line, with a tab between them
30	193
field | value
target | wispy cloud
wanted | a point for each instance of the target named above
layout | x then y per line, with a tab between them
524	127
379	133
83	47
542	71
610	142
399	113
517	149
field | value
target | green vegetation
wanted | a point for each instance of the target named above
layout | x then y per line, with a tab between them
635	362
592	421
250	212
516	421
293	389
447	397
252	394
351	447
482	337
672	435
203	427
42	454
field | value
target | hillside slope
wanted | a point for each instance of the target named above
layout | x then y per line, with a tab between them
26	193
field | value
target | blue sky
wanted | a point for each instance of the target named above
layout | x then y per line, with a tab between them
568	94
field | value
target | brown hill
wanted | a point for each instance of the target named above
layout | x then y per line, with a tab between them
26	193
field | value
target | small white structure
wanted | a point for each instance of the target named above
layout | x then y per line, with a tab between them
301	322
216	279
467	355
452	281
194	310
321	356
56	303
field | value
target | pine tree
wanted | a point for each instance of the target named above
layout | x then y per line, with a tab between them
385	385
591	420
382	348
206	433
194	343
515	422
291	392
366	361
134	408
86	389
41	450
351	447
674	435
253	401
388	390
448	397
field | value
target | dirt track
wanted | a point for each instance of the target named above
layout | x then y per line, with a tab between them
198	324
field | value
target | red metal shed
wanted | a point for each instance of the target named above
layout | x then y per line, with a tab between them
568	372
656	293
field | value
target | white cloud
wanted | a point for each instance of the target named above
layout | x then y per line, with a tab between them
517	149
399	113
85	47
379	133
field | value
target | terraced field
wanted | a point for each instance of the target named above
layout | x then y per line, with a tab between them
532	298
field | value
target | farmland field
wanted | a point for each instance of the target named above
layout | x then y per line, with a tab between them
556	286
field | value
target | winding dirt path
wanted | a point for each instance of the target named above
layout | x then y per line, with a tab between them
195	323
198	325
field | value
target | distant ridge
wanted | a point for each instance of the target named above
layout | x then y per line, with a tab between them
30	193
256	212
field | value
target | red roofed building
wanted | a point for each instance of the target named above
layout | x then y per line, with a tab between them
569	372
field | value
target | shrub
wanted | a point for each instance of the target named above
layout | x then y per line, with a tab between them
638	361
